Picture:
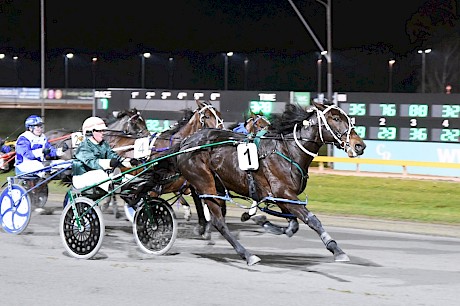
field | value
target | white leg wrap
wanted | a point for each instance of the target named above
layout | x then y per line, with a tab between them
326	238
253	209
207	214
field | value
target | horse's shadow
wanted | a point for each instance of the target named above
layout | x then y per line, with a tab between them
288	261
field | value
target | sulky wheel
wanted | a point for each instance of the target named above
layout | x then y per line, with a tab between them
82	236
155	226
39	195
15	209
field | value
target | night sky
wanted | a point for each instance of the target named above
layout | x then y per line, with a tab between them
281	52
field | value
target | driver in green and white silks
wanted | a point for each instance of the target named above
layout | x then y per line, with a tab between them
94	157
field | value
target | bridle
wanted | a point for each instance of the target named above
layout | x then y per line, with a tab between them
254	123
322	121
201	112
129	125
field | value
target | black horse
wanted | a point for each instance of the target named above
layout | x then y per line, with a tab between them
211	161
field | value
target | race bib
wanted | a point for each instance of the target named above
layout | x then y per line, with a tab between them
77	138
247	156
141	148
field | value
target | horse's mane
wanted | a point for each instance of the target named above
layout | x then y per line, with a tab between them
182	122
119	115
293	114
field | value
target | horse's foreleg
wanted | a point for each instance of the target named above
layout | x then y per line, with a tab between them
313	222
219	223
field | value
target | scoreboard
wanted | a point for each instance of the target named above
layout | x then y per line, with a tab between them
162	108
404	117
376	116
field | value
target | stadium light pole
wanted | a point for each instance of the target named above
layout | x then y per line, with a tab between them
226	56
390	74
246	62
42	57
15	61
328	52
93	67
171	72
66	69
423	53
319	63
143	57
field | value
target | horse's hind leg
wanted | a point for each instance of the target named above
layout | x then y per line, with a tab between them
313	222
186	207
203	228
219	223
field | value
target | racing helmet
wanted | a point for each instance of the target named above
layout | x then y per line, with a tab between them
33	120
93	123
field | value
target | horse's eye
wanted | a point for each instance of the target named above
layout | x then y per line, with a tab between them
336	118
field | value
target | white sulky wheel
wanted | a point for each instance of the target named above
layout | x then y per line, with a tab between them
15	209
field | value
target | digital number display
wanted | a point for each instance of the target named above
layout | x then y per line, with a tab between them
446	111
387	110
447	135
357	109
261	106
383	133
421	121
414	110
415	134
158	126
361	131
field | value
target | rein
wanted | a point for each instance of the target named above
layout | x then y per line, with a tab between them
200	111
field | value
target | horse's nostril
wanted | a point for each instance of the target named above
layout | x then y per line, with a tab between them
360	148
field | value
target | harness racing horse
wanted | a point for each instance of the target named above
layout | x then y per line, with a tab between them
254	125
211	159
166	178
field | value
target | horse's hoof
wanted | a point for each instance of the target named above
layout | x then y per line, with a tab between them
198	230
342	257
259	219
187	213
252	260
245	217
206	235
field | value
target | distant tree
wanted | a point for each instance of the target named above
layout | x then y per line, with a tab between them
436	25
444	68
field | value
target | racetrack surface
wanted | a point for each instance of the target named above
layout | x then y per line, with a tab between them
385	268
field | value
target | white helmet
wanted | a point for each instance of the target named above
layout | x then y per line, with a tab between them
93	123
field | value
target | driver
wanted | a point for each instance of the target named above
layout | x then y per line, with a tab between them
94	158
33	147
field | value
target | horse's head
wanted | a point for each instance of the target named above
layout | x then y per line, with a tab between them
336	127
208	115
130	122
256	122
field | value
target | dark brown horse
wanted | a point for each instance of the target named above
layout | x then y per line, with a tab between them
255	125
212	161
166	178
